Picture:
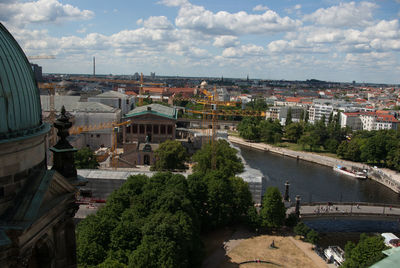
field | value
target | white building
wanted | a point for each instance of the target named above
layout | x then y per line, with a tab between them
115	99
321	108
86	114
351	120
375	121
281	112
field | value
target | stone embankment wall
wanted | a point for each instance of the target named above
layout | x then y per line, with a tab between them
389	178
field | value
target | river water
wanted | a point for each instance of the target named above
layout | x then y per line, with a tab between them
314	182
317	183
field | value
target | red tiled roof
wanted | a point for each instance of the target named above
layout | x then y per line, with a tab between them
294	99
387	118
154	89
352	114
132	93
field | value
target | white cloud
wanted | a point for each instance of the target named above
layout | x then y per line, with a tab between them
82	30
243	51
295	8
224	23
260	8
344	15
159	22
226	41
41	11
173	3
295	46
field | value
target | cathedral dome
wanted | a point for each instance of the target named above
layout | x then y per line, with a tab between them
20	110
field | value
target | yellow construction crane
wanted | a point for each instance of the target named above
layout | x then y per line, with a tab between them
115	127
214	119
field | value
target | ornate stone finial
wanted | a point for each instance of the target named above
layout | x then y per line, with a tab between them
63	151
62	124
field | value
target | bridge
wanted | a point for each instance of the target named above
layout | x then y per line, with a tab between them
347	210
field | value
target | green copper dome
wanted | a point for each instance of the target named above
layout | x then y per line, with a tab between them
20	110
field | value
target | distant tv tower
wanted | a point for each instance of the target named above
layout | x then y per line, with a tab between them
94	66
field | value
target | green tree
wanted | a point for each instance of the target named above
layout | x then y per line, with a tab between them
312	237
85	158
273	211
309	138
170	155
288	120
301	229
270	131
248	129
294	131
242	198
367	252
253	219
393	158
226	159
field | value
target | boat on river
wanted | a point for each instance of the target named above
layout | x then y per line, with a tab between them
349	172
334	254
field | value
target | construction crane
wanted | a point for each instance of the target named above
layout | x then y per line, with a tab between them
51	89
115	127
214	119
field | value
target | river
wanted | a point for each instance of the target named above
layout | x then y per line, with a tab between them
315	183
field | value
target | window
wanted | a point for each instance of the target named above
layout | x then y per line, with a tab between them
128	129
148	128
162	130
119	103
141	129
98	135
134	129
155	129
169	129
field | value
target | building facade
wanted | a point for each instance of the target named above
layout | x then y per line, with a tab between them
150	125
115	99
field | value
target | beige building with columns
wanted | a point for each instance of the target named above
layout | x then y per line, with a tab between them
150	125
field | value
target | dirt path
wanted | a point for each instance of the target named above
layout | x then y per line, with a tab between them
307	249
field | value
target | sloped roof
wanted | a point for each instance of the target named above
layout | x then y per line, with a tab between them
111	94
392	259
72	104
154	108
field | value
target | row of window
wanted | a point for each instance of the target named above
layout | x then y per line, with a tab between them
154	129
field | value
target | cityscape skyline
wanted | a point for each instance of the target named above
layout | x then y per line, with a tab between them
338	41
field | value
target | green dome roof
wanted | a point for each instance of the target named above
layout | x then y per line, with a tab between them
20	110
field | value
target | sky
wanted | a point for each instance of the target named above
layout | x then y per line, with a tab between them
292	40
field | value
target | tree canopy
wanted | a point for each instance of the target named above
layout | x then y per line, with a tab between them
226	159
367	252
85	158
148	222
273	211
170	155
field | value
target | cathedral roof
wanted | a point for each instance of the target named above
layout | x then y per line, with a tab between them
20	111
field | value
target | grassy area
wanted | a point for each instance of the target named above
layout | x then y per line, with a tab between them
287	254
233	133
294	146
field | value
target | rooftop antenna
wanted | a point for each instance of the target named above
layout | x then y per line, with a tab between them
94	66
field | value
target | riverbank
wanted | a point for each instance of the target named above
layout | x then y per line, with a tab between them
386	177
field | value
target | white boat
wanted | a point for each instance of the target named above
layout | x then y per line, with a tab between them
355	174
334	254
391	240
